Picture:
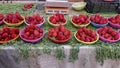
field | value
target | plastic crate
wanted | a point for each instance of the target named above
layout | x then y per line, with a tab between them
118	9
95	6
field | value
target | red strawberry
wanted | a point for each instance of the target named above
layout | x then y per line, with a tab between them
57	19
1	17
32	32
108	33
98	19
59	33
86	35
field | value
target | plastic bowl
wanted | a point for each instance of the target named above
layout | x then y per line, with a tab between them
36	24
76	25
58	41
16	24
79	5
106	40
98	25
86	42
114	25
30	41
56	24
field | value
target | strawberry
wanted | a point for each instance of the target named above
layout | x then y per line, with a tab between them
59	33
34	19
115	19
1	16
86	35
27	6
32	32
81	19
7	34
108	33
13	18
98	19
57	19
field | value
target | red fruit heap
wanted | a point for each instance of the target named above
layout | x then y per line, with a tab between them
115	19
59	33
108	33
80	19
27	6
98	19
86	35
7	34
32	32
13	18
108	0
57	19
1	17
34	19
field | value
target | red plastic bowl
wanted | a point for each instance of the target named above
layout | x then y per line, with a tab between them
106	40
30	41
114	25
58	41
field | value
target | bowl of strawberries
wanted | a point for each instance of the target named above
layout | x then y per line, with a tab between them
80	20
8	34
35	19
107	34
98	21
59	34
114	21
86	36
13	19
57	19
1	18
32	34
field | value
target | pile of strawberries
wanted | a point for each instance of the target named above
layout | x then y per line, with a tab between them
59	33
32	32
115	19
108	0
1	16
98	19
34	19
86	35
80	19
27	6
57	19
13	18
7	34
108	33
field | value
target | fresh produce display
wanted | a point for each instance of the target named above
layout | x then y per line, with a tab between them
32	34
59	34
1	18
27	6
86	36
108	34
115	21
13	19
80	20
98	21
35	19
57	19
8	34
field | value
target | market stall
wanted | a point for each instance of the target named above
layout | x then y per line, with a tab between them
63	42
